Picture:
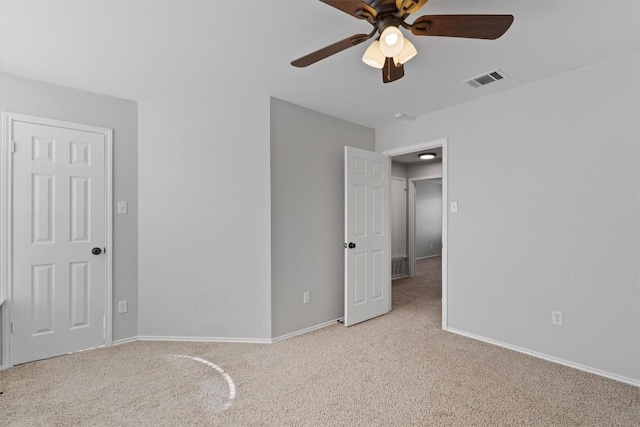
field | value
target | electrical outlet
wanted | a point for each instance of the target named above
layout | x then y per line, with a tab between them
122	307
556	318
454	207
306	297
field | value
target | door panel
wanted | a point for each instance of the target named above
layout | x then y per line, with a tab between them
367	208
79	294
42	298
360	278
377	279
43	195
79	209
58	293
360	211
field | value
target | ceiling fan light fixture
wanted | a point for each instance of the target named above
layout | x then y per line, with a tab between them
391	41
388	17
427	156
372	56
407	52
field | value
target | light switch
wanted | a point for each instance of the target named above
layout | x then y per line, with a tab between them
454	207
122	208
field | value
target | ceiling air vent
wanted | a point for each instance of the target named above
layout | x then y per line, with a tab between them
485	79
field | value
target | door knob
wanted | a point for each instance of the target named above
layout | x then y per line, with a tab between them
350	245
96	251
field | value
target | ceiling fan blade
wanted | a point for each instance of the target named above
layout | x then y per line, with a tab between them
391	73
409	6
330	50
488	27
354	8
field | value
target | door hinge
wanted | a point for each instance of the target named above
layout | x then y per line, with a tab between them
11	327
13	147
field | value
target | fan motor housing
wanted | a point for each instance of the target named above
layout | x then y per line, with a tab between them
382	6
385	21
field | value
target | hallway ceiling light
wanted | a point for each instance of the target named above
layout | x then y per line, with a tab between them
427	156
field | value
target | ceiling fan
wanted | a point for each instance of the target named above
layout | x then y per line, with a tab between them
391	50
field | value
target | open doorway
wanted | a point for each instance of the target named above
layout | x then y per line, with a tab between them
420	220
427	208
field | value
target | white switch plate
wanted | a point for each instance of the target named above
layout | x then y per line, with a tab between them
123	208
454	207
306	297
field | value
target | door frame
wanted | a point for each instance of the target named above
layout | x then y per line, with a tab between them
6	221
442	142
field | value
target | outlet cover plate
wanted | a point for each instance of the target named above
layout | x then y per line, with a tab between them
556	318
122	307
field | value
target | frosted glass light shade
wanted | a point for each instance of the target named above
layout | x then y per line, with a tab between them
391	42
372	56
407	52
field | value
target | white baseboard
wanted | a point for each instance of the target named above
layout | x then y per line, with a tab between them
574	365
124	341
205	339
226	339
404	276
306	330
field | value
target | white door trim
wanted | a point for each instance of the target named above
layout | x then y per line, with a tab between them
442	142
6	220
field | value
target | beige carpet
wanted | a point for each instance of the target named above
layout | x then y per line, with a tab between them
400	369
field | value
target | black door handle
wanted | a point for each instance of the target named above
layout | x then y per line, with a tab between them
96	251
349	245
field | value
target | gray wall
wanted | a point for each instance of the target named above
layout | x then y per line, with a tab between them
20	95
307	214
428	218
422	169
205	218
546	177
398	170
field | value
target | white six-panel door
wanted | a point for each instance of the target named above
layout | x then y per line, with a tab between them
367	229
58	290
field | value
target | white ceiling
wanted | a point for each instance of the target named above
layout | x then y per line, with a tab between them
158	49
